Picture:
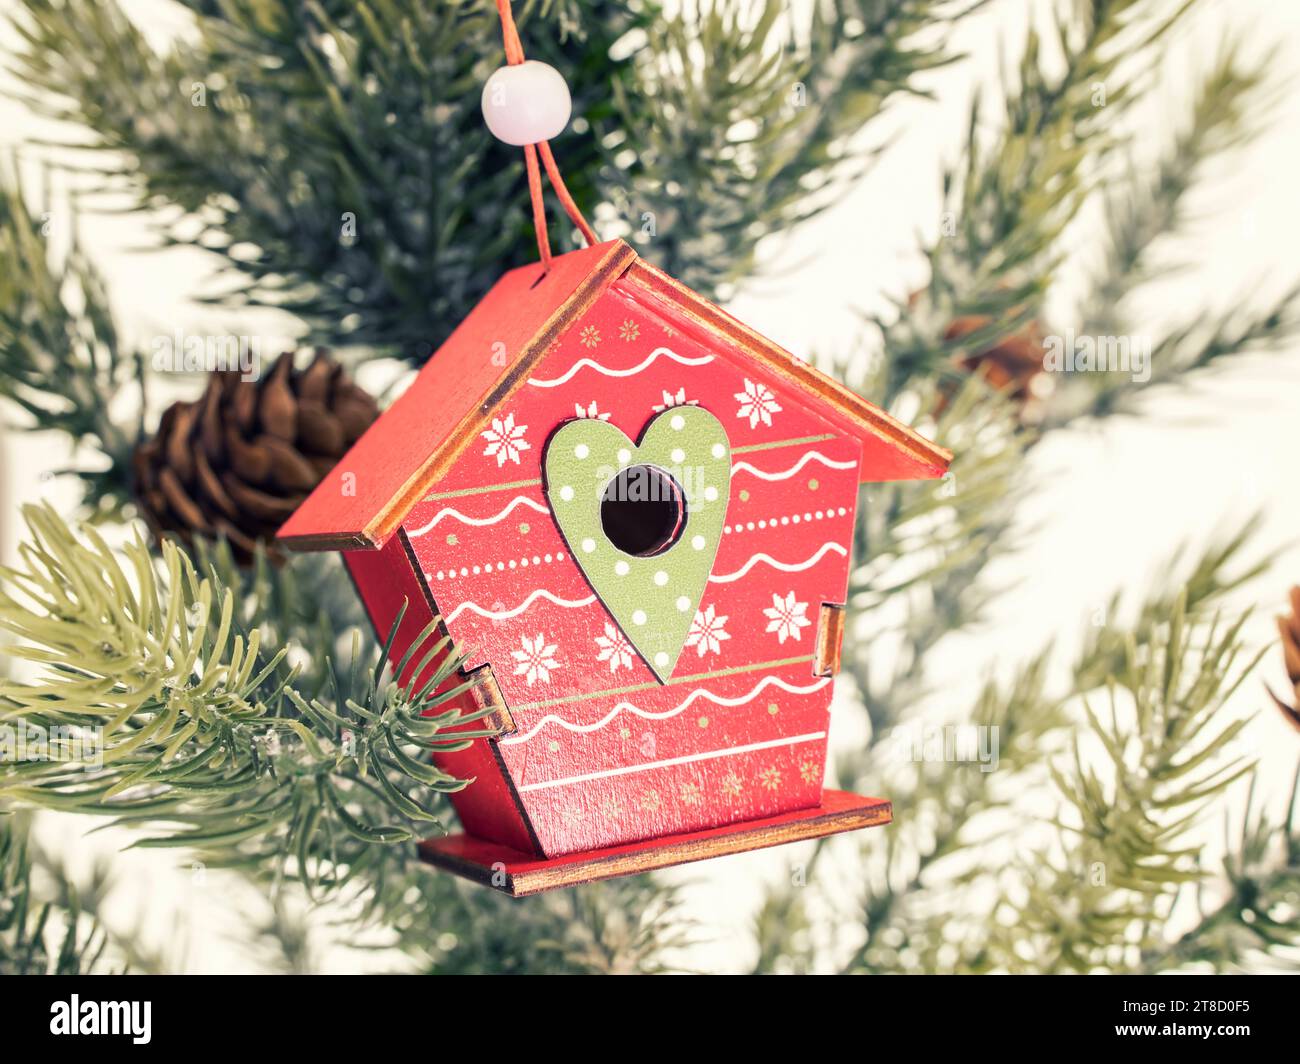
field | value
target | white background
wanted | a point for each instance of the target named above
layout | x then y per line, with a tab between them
1108	502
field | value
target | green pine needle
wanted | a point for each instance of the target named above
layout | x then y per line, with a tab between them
196	727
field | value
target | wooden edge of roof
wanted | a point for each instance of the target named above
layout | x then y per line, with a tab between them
389	518
800	375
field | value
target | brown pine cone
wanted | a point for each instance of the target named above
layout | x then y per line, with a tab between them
1013	364
1289	627
239	460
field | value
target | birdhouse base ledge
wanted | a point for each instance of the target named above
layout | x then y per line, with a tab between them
519	874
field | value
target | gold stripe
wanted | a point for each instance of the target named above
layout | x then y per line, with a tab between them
654	684
751	447
479	491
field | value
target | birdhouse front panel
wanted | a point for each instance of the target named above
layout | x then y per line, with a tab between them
641	545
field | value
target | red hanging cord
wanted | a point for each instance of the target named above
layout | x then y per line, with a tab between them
539	205
562	191
515	55
514	47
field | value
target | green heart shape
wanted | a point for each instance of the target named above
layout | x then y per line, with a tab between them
680	469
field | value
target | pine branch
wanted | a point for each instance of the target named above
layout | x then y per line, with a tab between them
1118	851
161	709
1255	920
333	154
740	123
31	941
60	359
1008	203
1125	849
926	545
1223	116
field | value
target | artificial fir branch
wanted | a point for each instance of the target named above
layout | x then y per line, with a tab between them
195	728
946	797
926	545
1253	916
981	498
1019	190
1205	341
1213	574
309	117
253	768
284	937
61	361
741	122
40	936
1173	670
1011	198
1149	208
95	894
1224	115
1120	852
615	928
333	155
1126	816
1009	206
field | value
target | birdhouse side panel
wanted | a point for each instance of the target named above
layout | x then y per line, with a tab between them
605	751
389	587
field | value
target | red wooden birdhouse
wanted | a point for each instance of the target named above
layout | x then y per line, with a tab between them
635	515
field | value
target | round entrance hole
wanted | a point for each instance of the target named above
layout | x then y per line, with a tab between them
643	510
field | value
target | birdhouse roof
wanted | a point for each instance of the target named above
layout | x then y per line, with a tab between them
490	355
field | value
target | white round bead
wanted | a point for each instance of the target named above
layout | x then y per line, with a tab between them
526	103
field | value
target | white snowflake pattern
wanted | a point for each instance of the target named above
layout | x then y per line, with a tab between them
787	617
589	411
505	440
536	660
707	632
676	400
614	648
757	403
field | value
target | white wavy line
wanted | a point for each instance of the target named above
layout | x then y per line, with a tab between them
685	759
645	714
504	615
783	566
572	371
810	456
478	521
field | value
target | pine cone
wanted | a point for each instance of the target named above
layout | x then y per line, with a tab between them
239	460
1289	627
1012	365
